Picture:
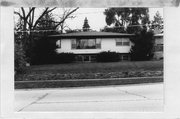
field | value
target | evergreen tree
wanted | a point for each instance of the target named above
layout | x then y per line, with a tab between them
143	46
86	25
157	23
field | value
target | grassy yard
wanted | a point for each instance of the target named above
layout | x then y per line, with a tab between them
93	70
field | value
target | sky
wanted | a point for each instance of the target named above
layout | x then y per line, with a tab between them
95	16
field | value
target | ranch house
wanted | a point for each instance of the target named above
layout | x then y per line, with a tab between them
86	45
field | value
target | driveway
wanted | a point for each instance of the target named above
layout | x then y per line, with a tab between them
139	97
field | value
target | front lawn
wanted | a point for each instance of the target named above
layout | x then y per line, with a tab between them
92	71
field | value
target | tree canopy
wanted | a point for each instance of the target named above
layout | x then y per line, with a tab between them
157	23
128	20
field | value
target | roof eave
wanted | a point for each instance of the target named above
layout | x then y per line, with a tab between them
90	36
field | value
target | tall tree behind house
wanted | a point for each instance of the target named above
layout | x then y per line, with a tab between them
157	23
86	26
130	20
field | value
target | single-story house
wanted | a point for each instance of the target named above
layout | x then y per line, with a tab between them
86	45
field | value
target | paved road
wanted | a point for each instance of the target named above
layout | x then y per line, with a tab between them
142	97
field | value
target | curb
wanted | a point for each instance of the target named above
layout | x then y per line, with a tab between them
85	82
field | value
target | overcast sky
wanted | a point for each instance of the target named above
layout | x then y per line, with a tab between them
95	16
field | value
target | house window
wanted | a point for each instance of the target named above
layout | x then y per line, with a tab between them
86	43
98	43
126	43
86	58
124	57
58	43
119	42
122	42
73	43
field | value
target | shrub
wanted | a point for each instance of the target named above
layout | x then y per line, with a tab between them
64	58
107	57
43	51
20	62
143	46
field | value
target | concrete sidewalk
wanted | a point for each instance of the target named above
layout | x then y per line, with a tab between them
140	97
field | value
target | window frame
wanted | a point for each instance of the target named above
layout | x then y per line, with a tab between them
122	42
75	45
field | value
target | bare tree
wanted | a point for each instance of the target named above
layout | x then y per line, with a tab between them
28	17
29	22
61	18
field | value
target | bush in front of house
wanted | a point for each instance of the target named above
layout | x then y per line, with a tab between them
107	57
64	58
43	51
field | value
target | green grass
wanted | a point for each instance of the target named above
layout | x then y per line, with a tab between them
93	70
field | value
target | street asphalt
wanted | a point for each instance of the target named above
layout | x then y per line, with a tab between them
137	97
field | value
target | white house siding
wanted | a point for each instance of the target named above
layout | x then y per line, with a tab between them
107	44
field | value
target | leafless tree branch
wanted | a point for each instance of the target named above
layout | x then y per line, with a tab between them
46	11
66	16
18	14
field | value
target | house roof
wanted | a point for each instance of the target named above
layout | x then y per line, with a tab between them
90	34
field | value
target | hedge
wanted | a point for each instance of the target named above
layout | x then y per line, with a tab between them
107	57
64	58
